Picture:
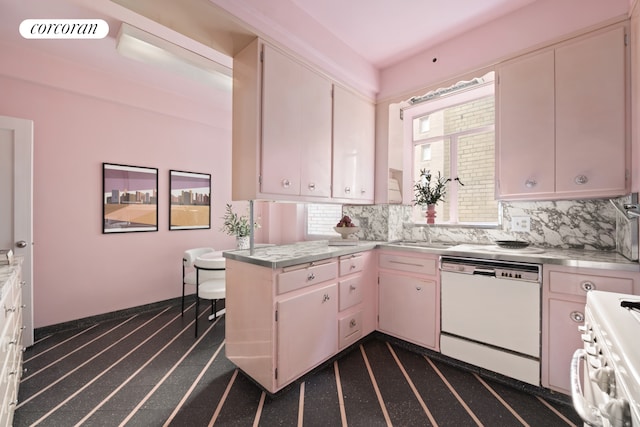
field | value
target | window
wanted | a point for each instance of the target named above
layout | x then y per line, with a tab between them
321	218
459	142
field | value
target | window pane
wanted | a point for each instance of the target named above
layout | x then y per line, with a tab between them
476	164
461	139
471	115
438	162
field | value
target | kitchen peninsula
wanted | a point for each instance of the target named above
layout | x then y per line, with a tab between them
292	307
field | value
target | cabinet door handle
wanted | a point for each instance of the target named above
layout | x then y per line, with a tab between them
587	286
347	190
312	186
581	179
576	316
530	183
286	183
311	276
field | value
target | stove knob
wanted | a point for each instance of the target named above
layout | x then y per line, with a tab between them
617	412
604	378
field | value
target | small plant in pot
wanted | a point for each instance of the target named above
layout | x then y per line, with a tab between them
430	193
237	225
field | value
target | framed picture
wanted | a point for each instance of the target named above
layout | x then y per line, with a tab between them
129	198
190	196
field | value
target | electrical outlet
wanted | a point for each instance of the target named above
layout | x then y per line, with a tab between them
521	223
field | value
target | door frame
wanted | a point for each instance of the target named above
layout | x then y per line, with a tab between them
23	213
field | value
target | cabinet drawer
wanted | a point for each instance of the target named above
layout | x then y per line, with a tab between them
351	264
306	276
422	265
350	329
579	284
350	292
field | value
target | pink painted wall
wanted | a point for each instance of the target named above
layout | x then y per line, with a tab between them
82	118
537	24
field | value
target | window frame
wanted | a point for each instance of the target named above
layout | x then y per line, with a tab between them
458	97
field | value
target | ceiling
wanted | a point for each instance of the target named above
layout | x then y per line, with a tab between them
383	32
387	31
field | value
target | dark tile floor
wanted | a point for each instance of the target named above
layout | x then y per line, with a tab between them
147	369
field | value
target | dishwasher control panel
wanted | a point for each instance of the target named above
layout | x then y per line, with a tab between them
497	269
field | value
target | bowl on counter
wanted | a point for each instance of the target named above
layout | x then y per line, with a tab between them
346	232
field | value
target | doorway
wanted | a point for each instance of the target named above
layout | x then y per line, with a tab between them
16	216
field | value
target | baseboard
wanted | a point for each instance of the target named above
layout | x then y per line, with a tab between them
45	331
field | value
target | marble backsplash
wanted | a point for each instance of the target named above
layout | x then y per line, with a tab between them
568	224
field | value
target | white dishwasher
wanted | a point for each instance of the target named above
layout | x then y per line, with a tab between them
491	315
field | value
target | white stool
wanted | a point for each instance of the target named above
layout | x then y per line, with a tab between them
210	279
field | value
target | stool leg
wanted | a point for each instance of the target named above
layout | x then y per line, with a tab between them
197	299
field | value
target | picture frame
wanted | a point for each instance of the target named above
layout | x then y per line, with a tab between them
189	200
129	198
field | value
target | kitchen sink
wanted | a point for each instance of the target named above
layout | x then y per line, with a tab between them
424	244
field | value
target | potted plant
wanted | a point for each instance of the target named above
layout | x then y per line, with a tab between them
237	225
429	194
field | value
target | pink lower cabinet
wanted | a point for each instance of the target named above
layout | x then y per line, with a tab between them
564	294
408	298
281	323
307	331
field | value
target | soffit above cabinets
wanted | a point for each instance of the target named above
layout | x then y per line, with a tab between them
198	19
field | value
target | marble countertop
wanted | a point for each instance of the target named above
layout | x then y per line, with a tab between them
304	252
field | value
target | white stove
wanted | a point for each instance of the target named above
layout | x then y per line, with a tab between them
609	393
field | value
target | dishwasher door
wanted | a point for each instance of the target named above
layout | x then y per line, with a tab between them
495	311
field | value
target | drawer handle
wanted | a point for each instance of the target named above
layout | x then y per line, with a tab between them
587	286
325	298
352	323
311	276
406	263
352	288
577	316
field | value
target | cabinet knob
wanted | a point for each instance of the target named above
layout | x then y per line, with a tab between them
347	190
286	183
352	288
311	276
352	323
326	298
577	316
581	179
418	288
312	186
363	191
587	286
530	183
